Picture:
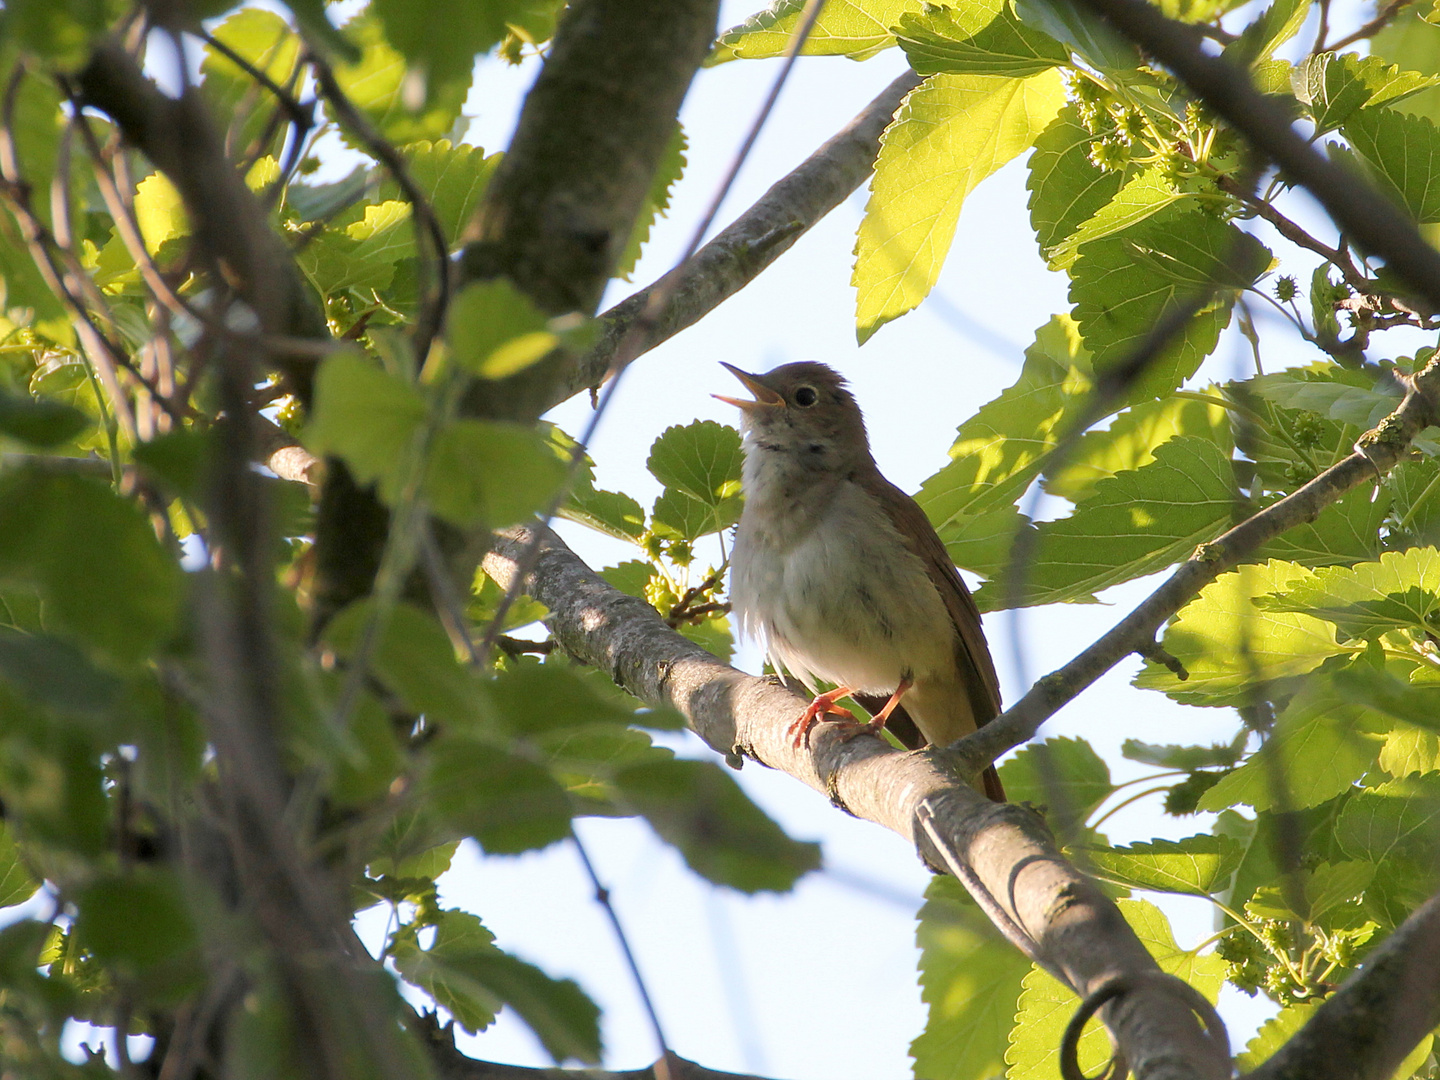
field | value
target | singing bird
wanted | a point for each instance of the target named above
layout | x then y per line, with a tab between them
840	576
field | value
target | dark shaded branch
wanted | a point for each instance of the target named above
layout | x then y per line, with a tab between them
1377	1017
1376	452
753	241
561	206
1077	931
1369	218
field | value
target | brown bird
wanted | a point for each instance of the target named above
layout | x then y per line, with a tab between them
840	576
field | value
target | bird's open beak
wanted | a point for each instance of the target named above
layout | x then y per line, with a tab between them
764	396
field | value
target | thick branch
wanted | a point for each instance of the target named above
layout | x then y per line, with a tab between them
753	241
560	209
1374	1020
1078	932
1376	453
1368	217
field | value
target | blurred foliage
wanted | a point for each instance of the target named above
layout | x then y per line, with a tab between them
397	747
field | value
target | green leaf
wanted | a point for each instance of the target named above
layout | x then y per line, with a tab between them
1400	592
611	512
452	178
494	330
267	43
1129	442
701	460
1188	758
1350	397
60	31
630	577
1333	884
508	803
1335	86
854	28
1198	865
361	255
531	699
366	416
1275	1033
1130	525
1002	448
1066	187
1402	154
51	672
1064	775
1347	531
1273	27
137	921
467	975
1228	644
1123	284
1318	749
1398	820
441	38
667	174
16	883
970	978
413	656
985	542
1410	750
94	557
1083	31
1143	195
951	132
723	836
490	471
40	422
1414	44
1046	1006
402	107
960	41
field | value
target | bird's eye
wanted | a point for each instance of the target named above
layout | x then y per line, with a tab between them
806	396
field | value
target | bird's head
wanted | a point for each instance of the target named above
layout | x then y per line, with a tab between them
804	409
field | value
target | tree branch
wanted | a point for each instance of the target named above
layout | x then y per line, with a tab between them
1078	932
753	241
1376	452
1365	215
1373	1021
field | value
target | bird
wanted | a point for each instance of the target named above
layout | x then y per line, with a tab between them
839	575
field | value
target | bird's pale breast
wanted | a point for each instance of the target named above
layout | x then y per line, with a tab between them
832	591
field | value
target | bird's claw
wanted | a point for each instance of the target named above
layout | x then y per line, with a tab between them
823	706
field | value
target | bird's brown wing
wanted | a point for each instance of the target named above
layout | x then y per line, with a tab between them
971	652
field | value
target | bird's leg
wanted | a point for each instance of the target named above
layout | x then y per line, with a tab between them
877	725
823	705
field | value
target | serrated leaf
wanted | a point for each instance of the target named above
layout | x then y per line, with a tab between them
1066	187
611	512
1273	27
366	416
723	836
1335	86
657	201
1413	44
1065	775
1082	30
854	28
1228	644
413	656
1188	758
1332	884
1403	154
1399	592
490	471
403	107
961	41
1347	531
468	975
1130	441
951	132
1350	397
440	39
1317	750
267	43
363	254
508	803
970	978
1046	1006
452	177
630	577
16	883
1198	865
1143	195
93	556
1002	447
1122	285
702	460
1130	525
1275	1033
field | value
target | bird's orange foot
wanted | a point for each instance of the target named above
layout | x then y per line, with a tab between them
823	706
